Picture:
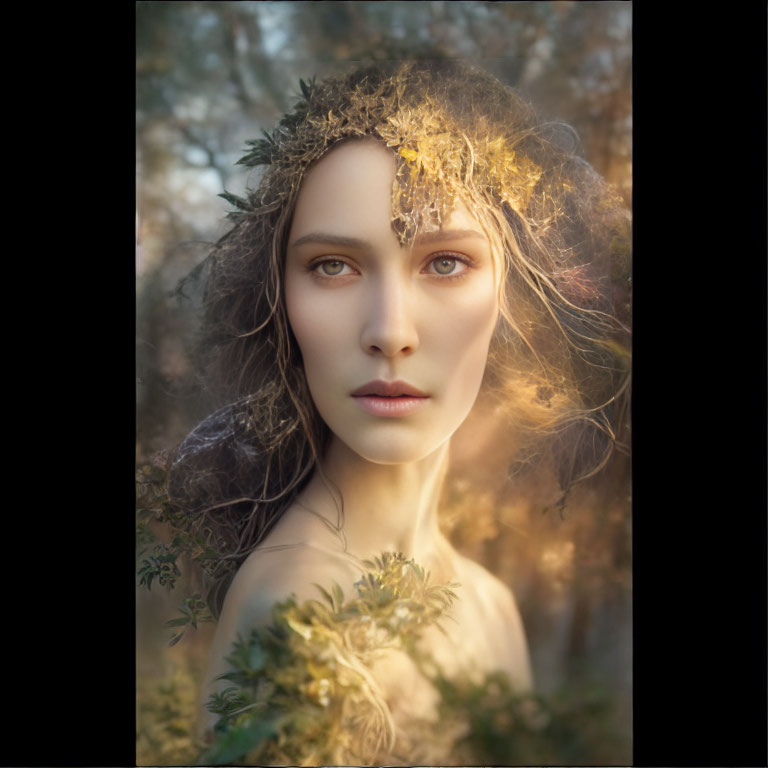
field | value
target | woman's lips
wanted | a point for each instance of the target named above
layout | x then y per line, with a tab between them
389	399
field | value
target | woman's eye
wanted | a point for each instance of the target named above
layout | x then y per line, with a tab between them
447	265
332	268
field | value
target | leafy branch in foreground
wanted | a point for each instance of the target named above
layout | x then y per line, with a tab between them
302	691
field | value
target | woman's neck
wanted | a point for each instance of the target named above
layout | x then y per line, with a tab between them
386	507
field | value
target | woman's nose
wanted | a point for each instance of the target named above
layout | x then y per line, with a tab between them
389	326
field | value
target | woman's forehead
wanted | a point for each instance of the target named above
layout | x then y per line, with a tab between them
357	183
350	186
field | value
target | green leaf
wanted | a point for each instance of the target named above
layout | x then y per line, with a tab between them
179	622
256	658
237	743
326	595
238	202
267	136
306	88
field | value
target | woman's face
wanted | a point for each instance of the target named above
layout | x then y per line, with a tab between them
394	340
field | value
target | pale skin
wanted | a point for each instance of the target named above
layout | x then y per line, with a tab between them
364	309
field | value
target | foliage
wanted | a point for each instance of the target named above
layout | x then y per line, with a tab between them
161	562
507	728
194	610
186	541
166	717
302	689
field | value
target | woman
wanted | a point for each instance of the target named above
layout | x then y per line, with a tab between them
418	236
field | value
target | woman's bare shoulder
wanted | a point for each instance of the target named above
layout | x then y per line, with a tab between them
478	578
497	612
270	575
299	552
493	598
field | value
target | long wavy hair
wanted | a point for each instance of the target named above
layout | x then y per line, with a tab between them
558	362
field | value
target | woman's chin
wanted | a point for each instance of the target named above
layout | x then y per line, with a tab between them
393	450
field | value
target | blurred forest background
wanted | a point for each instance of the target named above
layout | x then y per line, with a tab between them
211	75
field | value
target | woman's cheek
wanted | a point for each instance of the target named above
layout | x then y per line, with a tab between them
320	321
465	335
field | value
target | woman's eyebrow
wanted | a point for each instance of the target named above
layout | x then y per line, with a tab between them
328	239
449	234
